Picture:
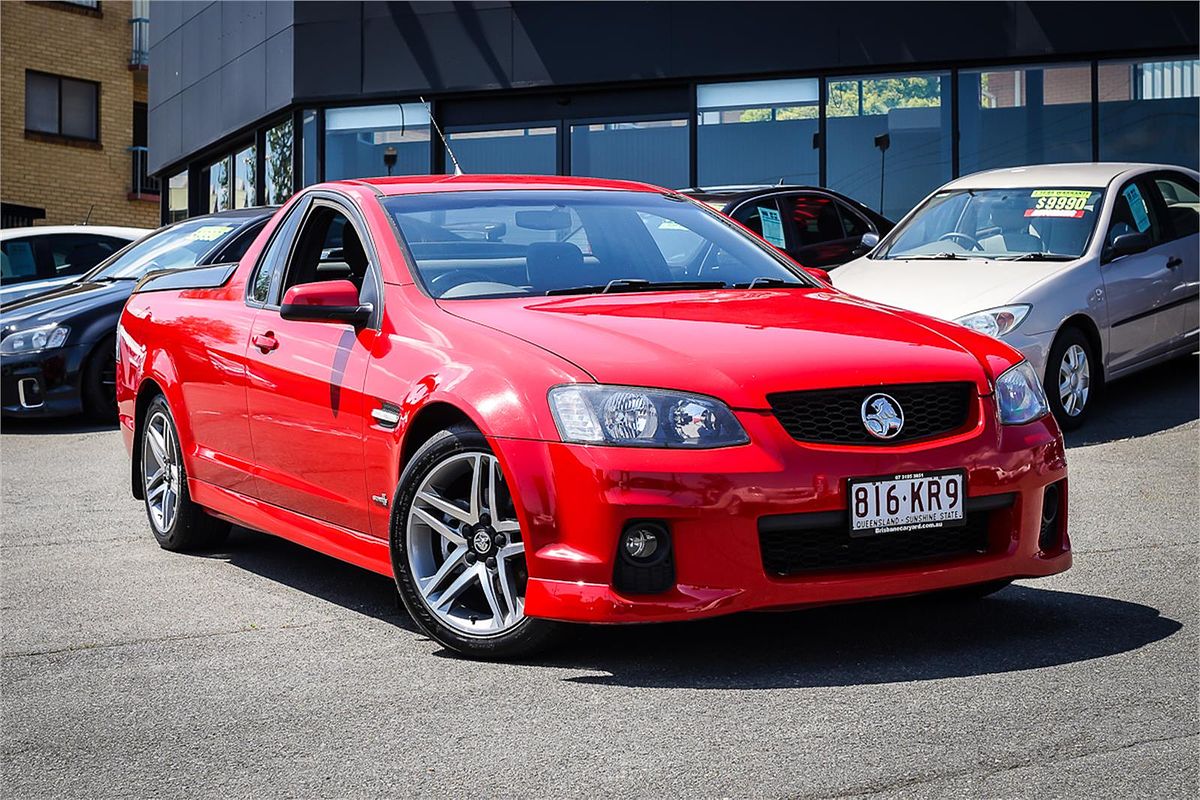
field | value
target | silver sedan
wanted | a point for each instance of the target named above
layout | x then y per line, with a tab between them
1092	271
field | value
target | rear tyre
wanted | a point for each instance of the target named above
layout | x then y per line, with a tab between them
458	552
177	522
1072	378
99	382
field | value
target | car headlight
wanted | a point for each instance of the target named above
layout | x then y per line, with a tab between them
995	321
1020	395
625	415
46	337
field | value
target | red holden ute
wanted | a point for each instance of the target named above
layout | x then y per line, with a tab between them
545	400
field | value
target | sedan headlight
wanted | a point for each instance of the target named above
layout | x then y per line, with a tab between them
625	415
1020	395
995	321
46	337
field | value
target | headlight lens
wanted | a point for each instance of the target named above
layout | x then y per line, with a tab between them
995	321
47	337
1020	395
624	415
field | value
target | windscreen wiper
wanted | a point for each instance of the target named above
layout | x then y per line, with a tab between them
943	256
770	281
1039	257
638	285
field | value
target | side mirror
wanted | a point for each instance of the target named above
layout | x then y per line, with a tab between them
820	275
1128	244
866	244
325	301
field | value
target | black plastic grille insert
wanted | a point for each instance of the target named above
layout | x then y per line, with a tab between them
794	550
834	416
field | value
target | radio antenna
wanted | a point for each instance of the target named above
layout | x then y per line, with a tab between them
446	144
89	214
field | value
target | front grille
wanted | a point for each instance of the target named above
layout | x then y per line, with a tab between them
834	416
790	550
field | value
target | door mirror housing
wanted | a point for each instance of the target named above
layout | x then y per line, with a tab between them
866	244
819	274
325	301
1128	244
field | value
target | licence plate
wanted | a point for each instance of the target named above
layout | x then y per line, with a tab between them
909	502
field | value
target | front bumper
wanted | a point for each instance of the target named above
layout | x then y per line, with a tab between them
575	500
52	377
1035	348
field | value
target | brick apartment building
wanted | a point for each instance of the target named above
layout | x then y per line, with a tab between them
73	131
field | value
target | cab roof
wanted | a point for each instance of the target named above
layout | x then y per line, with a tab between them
421	184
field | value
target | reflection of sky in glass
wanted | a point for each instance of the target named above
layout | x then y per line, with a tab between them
176	247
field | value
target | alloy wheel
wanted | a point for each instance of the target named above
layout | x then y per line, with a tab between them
162	471
1074	380
464	546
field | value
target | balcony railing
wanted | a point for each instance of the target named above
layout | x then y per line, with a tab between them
143	184
140	24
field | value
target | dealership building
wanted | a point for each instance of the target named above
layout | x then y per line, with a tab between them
250	101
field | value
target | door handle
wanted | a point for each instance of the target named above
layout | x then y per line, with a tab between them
265	341
1174	261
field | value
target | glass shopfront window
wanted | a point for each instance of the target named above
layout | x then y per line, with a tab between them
517	151
177	197
1033	115
758	132
1149	111
652	151
219	189
244	195
308	144
277	164
369	141
888	138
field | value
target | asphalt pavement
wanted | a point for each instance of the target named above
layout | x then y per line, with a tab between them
268	670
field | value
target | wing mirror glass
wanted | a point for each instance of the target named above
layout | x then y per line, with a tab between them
1128	244
867	243
325	301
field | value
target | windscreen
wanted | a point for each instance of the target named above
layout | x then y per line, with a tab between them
1048	223
176	247
537	242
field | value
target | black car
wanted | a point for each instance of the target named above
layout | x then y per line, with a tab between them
816	227
57	350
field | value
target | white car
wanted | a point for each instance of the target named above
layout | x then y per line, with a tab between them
38	259
1090	270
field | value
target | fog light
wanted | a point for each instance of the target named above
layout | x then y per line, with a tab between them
644	563
641	542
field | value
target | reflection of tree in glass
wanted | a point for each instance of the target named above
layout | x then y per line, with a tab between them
881	95
221	170
279	163
247	175
779	114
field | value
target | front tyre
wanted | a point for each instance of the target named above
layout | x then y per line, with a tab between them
458	553
177	522
99	382
1072	373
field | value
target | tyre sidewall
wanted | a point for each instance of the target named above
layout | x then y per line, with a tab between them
525	637
1062	342
95	400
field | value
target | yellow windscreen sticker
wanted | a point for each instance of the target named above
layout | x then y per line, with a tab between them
209	233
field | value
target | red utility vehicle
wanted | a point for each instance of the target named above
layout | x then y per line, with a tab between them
536	400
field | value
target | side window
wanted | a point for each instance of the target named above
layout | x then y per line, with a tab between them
1179	198
762	217
1132	213
272	259
18	261
76	253
327	248
853	225
815	218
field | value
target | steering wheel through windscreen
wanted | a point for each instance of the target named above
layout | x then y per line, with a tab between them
959	236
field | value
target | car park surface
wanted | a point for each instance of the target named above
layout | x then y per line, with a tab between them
265	669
